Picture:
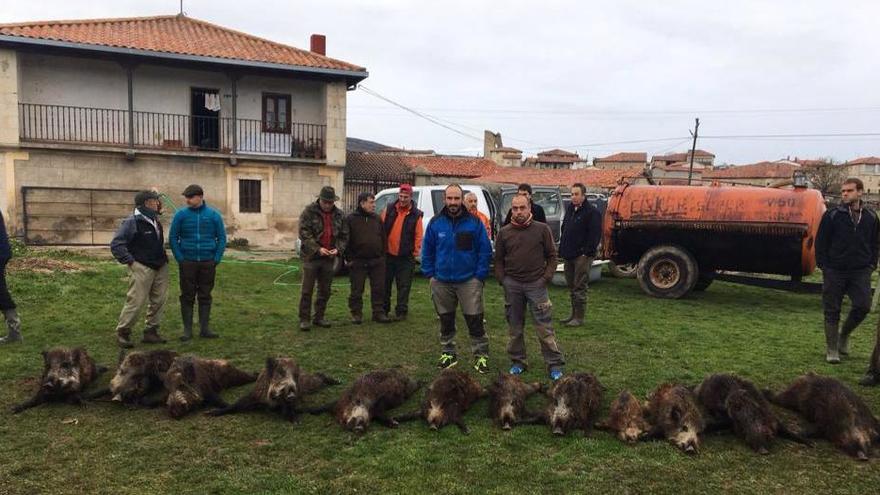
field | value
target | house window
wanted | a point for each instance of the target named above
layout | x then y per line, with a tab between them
276	112
248	196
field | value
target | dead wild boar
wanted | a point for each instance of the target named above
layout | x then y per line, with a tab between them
626	418
66	374
139	374
674	414
507	400
448	397
369	398
575	400
281	386
192	381
835	412
735	403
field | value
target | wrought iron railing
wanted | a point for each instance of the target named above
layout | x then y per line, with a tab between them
104	126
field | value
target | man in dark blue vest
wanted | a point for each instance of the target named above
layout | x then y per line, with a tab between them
139	243
403	226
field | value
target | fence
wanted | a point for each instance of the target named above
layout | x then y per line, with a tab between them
104	126
353	186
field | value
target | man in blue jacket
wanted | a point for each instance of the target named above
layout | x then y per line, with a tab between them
7	305
455	256
198	239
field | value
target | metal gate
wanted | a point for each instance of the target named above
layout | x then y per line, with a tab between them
71	216
354	185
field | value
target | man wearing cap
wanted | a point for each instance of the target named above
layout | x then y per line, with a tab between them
198	239
140	243
323	234
403	226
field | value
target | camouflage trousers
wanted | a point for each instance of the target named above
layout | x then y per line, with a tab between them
534	295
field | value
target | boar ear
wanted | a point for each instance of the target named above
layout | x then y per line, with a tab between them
76	353
270	365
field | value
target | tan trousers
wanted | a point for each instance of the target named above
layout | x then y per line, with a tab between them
145	285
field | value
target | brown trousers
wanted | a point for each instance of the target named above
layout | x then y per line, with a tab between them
577	277
319	270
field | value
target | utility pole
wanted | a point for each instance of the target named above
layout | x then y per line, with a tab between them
693	150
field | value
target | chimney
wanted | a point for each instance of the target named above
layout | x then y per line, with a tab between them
319	44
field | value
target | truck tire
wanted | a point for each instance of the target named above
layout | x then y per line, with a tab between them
623	271
667	271
704	280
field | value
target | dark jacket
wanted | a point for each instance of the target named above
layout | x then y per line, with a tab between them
581	231
406	244
140	239
537	214
311	226
366	236
197	234
456	249
5	248
842	245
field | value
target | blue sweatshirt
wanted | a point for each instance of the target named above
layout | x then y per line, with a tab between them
197	234
456	249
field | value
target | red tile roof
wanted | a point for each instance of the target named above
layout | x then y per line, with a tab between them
391	165
507	149
175	34
761	170
682	157
865	160
557	156
542	177
625	157
678	166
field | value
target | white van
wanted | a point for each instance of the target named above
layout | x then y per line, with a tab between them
431	199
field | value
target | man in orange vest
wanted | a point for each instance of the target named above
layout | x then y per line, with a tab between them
470	199
403	225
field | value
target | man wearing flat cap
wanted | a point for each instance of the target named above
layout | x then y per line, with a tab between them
198	239
139	243
323	234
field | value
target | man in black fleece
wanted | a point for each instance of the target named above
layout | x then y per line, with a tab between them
140	244
846	250
581	232
365	254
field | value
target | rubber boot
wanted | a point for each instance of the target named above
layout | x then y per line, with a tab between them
186	315
570	312
204	320
123	338
151	336
843	341
831	340
13	324
577	309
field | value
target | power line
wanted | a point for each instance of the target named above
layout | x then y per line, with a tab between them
433	120
642	112
786	136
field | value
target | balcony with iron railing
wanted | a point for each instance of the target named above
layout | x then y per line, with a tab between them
139	130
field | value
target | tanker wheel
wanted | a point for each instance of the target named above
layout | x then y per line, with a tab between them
623	271
668	272
704	280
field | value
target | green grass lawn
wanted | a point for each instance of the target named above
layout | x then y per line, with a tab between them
630	341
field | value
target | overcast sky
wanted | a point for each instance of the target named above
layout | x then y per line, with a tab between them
579	74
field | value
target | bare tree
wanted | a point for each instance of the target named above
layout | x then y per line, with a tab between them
826	176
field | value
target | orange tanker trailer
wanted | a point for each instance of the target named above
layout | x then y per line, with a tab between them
680	236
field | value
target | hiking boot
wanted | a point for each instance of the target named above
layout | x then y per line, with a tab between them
400	317
186	316
123	338
357	318
151	336
481	364
13	325
321	323
517	369
556	374
304	326
447	361
869	380
831	340
204	320
381	318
